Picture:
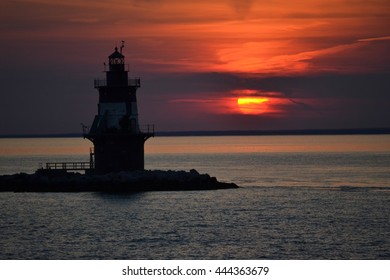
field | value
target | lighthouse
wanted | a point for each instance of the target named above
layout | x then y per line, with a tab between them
117	137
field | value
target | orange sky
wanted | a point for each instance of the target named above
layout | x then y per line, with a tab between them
249	40
269	37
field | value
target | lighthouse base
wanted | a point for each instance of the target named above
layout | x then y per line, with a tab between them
115	153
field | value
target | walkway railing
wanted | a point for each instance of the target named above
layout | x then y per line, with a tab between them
135	82
147	128
83	165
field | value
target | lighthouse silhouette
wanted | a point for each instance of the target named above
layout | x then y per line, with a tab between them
117	137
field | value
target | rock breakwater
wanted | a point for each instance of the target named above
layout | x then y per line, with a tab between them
135	181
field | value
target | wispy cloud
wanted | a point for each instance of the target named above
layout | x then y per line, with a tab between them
384	38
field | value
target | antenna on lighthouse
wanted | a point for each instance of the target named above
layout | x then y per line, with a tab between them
122	46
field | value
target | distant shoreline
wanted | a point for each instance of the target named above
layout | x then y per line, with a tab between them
364	131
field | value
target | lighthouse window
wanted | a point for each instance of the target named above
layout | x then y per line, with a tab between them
116	61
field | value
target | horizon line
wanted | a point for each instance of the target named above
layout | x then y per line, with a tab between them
276	132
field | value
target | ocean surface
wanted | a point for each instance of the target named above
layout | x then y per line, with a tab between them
301	197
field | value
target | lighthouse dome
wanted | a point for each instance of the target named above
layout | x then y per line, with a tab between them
116	57
116	54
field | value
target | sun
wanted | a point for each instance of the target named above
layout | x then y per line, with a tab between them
252	105
251	100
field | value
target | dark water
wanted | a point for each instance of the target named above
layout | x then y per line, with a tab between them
249	223
299	200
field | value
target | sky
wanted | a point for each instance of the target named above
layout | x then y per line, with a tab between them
204	65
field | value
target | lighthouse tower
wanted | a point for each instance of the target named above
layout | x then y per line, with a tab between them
116	134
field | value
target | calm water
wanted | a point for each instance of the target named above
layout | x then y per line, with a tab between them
302	197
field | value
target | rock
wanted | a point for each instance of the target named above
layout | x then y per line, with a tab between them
193	171
147	180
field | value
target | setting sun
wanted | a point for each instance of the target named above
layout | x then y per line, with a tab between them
252	105
251	100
